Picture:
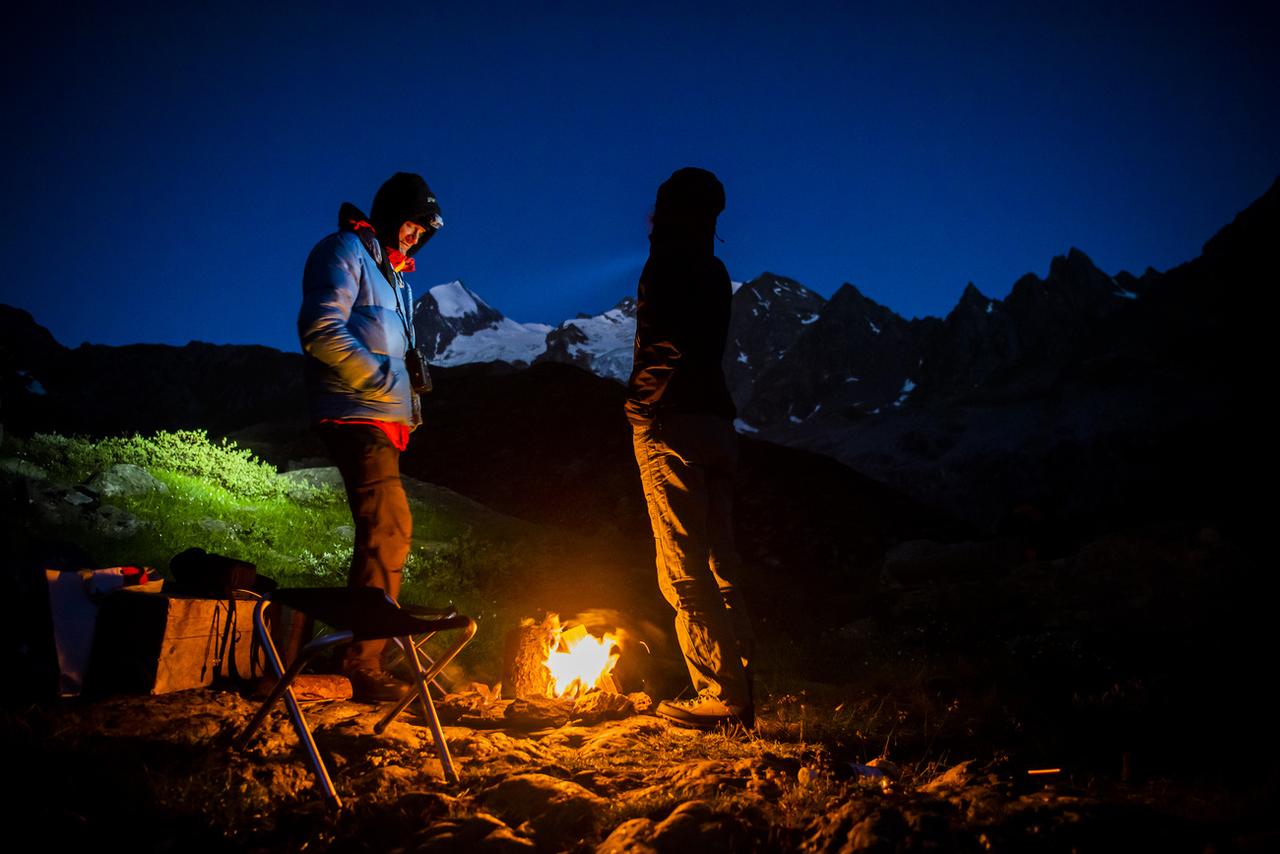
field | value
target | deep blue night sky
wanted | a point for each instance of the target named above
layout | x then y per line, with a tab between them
169	171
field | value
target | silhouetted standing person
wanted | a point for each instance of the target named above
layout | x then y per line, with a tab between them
356	329
682	416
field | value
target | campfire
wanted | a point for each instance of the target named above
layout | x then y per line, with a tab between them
550	659
553	674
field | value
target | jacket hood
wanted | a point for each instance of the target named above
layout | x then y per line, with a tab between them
685	212
351	218
404	197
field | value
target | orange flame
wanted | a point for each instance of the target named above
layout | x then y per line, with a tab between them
579	661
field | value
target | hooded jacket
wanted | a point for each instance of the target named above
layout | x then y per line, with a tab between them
682	306
355	326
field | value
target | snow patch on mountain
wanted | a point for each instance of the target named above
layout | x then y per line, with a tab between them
504	341
606	342
907	388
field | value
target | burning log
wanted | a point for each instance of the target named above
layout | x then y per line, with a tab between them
525	672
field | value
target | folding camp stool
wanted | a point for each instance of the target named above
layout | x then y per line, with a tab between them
360	613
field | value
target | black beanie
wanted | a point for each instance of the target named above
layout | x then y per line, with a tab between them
404	197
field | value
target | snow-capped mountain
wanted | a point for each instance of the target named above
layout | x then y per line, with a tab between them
793	359
602	344
456	326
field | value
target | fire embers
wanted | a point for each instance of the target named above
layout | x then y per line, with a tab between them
547	659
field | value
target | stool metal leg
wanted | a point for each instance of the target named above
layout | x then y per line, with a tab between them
283	686
411	650
433	720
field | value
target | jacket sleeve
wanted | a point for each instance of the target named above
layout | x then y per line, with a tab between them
658	346
330	284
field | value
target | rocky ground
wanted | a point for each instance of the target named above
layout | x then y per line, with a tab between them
160	773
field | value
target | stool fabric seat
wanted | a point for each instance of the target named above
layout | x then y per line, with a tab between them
364	611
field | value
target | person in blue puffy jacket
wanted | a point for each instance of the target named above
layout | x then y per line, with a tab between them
356	328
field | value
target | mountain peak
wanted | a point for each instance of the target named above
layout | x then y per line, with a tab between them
849	297
627	306
973	300
454	299
1075	261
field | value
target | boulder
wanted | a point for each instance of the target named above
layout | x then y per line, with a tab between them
555	809
125	479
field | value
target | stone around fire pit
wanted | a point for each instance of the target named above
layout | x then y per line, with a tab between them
602	706
539	712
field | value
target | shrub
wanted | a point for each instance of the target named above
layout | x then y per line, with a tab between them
188	452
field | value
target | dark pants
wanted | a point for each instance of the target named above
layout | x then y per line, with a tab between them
687	464
370	467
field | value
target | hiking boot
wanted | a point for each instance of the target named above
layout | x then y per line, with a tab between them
374	686
705	713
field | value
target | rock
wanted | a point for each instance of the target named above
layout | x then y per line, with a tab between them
891	770
480	832
311	687
346	533
955	777
602	706
57	505
622	736
389	782
480	708
631	837
22	468
306	481
115	523
552	807
539	712
126	479
305	463
696	826
859	825
216	526
641	701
